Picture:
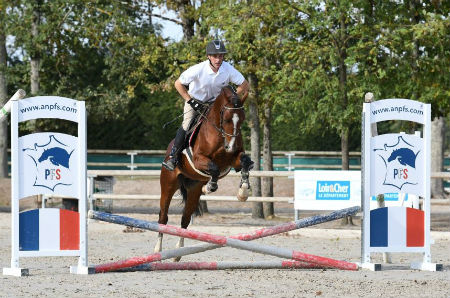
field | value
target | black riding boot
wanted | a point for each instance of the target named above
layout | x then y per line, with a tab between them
171	163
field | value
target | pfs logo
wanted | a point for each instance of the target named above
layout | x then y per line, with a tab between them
52	163
400	161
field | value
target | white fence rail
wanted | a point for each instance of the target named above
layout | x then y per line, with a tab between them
155	173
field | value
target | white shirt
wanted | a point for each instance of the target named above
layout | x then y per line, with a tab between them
205	84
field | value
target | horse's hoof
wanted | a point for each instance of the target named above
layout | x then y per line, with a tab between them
243	192
157	249
205	189
209	188
213	187
158	246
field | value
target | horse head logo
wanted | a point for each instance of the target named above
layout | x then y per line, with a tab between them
57	156
405	156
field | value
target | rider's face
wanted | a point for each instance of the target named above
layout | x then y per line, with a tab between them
216	60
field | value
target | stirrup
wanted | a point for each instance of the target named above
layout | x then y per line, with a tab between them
170	164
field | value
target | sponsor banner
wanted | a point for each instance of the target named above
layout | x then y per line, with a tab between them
327	190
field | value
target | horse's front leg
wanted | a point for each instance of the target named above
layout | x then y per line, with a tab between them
169	185
212	185
205	164
245	164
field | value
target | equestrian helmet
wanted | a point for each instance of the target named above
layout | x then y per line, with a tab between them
215	47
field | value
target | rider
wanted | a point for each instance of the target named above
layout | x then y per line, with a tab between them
202	83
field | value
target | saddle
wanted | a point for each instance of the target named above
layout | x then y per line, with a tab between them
191	136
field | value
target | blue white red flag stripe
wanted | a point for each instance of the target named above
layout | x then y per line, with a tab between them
397	227
415	236
49	229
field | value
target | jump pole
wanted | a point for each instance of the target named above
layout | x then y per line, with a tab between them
225	241
7	107
264	232
224	265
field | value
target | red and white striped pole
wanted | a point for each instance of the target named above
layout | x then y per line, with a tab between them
219	241
224	265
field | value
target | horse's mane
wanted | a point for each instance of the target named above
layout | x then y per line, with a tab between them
229	92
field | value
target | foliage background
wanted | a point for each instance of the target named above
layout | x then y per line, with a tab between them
314	61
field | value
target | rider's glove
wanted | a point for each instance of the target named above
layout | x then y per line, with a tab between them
195	104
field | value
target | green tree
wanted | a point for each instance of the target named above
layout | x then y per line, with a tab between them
3	93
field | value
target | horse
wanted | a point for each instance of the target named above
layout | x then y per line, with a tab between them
218	147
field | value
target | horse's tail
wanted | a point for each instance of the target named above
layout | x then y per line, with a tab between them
185	183
183	189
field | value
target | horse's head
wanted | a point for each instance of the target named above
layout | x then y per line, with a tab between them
231	116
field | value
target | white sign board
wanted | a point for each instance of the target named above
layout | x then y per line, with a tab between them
396	163
48	163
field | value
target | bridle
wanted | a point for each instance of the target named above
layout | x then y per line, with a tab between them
220	129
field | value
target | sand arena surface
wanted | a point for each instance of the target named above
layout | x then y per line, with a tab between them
49	277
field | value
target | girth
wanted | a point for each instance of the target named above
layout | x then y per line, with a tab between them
189	156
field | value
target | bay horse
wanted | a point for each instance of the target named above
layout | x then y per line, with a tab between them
218	147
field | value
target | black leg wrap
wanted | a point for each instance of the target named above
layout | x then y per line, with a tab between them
214	171
246	163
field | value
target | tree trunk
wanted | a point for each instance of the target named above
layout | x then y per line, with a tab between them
344	150
255	182
187	26
3	99
343	93
414	6
187	20
267	185
35	60
348	220
437	156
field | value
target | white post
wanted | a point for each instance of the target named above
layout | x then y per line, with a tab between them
365	187
83	266
15	269
132	166
289	155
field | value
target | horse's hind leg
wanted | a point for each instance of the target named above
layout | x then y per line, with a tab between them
193	197
169	185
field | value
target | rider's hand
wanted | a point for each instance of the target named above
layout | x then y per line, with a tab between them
195	104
